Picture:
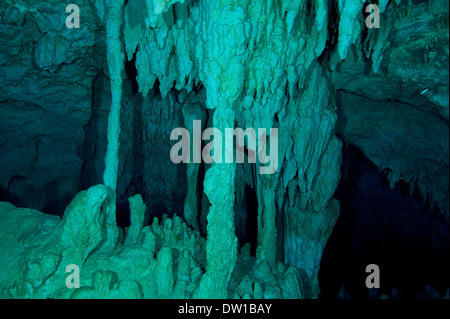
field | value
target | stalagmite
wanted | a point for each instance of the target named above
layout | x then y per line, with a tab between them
164	269
137	213
88	220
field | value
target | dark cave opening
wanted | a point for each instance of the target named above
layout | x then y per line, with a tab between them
123	214
48	199
7	196
392	228
251	224
131	71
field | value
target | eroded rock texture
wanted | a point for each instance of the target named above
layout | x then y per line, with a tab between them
96	105
46	90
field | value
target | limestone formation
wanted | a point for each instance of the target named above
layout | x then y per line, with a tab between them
86	117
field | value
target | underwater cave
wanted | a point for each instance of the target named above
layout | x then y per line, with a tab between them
393	227
187	149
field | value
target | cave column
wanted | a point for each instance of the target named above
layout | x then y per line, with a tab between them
116	58
267	214
267	175
191	201
221	244
194	120
222	73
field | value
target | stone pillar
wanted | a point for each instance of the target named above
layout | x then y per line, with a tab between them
193	112
221	244
116	58
267	227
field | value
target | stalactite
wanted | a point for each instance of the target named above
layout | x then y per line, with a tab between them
116	58
349	24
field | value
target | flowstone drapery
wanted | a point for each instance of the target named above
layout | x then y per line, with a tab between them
252	78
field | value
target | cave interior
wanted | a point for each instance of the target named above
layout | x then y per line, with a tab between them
362	170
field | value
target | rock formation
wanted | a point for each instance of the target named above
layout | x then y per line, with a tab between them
87	114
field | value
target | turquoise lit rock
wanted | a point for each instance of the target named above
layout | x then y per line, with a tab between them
91	205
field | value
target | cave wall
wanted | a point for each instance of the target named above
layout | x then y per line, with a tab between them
410	143
393	97
46	90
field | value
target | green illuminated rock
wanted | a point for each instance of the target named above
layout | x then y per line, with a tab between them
86	133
